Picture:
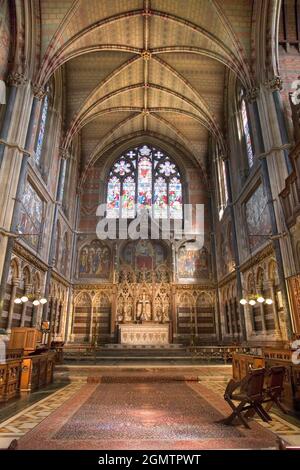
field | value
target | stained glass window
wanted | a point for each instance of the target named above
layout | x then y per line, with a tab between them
128	197
144	178
175	198
113	197
31	216
222	190
160	198
144	183
43	119
247	134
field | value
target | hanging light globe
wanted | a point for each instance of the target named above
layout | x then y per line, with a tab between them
252	302
24	298
243	301
260	299
43	301
269	301
36	302
18	301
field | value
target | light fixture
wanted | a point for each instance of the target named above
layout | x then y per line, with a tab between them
34	300
253	298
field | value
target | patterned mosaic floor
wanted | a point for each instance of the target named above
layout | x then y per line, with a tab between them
287	428
213	378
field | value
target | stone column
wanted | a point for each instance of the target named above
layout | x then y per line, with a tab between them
15	285
263	320
59	194
278	332
27	291
71	337
91	323
239	286
276	245
35	309
15	79
229	318
196	320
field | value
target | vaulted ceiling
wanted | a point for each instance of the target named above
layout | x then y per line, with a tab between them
145	66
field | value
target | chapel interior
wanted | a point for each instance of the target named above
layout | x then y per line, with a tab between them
149	222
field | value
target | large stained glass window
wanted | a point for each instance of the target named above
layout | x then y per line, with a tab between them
42	129
246	129
31	216
144	178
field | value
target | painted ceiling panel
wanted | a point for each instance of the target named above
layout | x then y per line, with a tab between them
157	66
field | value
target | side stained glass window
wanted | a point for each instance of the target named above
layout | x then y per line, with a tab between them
42	129
247	134
144	178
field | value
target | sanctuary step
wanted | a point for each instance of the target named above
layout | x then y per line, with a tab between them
119	355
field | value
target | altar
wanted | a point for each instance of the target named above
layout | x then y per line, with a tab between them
146	334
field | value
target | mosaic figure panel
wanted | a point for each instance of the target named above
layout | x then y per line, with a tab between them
31	216
193	264
257	218
95	260
144	255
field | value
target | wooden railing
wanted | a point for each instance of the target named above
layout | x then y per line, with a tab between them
22	374
37	371
209	353
10	376
242	363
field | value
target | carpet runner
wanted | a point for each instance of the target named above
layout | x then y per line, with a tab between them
144	412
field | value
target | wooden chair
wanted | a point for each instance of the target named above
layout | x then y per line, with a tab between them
250	395
274	387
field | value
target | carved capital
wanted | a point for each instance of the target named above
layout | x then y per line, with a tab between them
16	281
274	83
252	94
17	79
39	92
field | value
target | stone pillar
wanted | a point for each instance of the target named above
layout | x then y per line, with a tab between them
15	285
276	245
229	318
15	79
71	337
91	323
27	291
36	308
196	320
263	320
236	250
278	332
59	194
